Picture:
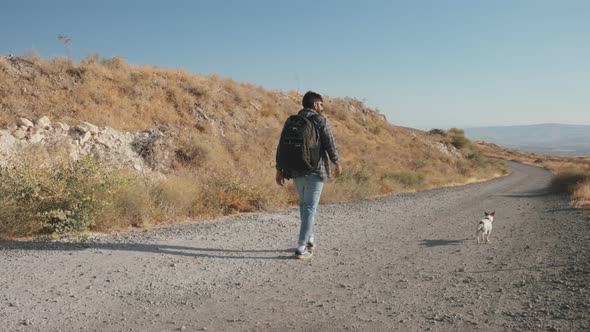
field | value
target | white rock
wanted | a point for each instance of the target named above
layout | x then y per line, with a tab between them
61	126
7	142
81	129
4	135
38	130
85	138
90	127
43	122
26	123
19	134
36	138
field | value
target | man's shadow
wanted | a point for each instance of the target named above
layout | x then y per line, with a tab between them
147	248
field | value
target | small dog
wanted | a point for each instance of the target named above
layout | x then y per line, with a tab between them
484	228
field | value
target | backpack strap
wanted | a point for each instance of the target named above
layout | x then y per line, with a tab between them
313	116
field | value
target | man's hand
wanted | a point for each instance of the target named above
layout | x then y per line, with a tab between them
338	169
279	178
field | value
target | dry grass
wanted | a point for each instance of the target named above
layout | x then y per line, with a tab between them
571	174
581	193
224	137
567	181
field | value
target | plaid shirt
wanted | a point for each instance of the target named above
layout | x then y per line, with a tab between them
328	151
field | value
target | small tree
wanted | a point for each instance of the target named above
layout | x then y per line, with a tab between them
67	41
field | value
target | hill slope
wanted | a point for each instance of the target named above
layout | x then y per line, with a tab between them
221	137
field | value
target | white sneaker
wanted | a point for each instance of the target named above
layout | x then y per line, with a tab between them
305	254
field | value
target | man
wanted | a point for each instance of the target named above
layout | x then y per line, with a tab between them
309	183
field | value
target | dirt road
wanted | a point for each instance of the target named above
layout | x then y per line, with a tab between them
401	263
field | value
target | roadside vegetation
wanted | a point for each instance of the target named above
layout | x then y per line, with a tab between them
224	135
571	174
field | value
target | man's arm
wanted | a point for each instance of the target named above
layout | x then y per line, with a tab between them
329	144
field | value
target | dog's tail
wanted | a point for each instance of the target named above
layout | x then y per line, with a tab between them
480	226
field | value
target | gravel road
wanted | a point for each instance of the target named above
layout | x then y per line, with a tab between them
400	263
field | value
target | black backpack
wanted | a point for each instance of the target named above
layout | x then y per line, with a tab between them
299	146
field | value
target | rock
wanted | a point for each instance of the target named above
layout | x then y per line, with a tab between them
147	151
43	122
26	123
85	138
19	134
36	138
6	138
60	126
89	127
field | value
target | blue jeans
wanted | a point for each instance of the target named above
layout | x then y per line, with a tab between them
309	189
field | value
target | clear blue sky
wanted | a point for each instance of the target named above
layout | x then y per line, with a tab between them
424	64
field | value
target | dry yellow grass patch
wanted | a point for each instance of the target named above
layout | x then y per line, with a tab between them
581	193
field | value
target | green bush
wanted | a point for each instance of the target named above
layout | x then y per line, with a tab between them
55	196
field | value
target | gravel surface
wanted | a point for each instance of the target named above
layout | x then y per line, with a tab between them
400	263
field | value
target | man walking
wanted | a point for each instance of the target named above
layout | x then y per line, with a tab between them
309	183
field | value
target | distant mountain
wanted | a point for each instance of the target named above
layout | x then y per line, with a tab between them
550	139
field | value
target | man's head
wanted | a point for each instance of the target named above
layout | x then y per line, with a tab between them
313	100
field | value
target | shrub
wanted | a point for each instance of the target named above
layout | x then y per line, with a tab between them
458	139
477	158
355	183
439	132
229	196
178	196
565	182
192	152
132	206
55	196
581	193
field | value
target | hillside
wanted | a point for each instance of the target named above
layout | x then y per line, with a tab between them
549	139
214	148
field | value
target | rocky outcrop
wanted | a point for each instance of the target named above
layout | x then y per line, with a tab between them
433	143
145	151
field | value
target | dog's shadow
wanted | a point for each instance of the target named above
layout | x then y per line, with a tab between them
440	242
